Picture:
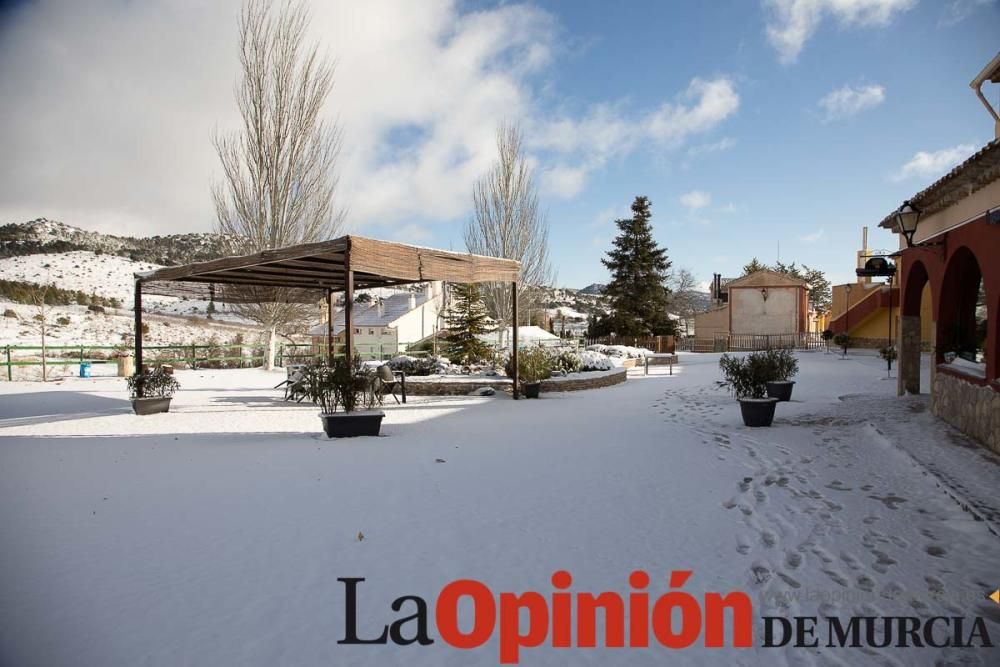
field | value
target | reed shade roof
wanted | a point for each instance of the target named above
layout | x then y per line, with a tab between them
304	273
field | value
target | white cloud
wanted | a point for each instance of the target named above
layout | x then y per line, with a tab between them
848	101
118	136
926	164
723	144
563	181
957	11
792	22
605	133
814	237
696	200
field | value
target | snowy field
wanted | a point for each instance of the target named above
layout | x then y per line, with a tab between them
215	534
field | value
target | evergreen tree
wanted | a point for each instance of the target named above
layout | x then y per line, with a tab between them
467	320
639	271
754	266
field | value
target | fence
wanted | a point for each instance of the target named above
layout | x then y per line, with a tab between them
654	343
194	356
733	342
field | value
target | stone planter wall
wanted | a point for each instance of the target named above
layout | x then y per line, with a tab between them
459	386
971	408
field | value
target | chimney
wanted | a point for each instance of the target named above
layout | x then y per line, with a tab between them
413	300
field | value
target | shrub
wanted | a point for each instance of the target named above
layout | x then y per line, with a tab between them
746	377
533	365
155	383
842	340
888	353
94	308
566	361
415	365
594	361
9	313
347	384
63	321
781	363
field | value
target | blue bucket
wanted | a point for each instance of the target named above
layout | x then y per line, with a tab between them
85	369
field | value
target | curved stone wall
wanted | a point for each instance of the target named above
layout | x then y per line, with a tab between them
460	385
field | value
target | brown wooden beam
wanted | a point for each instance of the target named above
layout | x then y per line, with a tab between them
137	306
349	307
329	326
513	349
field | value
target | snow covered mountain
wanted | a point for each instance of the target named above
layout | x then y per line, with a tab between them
49	236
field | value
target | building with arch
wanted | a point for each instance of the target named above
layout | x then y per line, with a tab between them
953	259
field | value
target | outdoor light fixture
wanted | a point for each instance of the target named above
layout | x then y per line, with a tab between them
907	217
763	293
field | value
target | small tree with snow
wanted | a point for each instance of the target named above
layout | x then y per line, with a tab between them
467	321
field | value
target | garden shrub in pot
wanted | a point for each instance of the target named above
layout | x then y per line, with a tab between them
346	394
151	390
782	367
747	377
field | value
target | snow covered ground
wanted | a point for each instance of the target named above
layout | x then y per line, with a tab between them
215	534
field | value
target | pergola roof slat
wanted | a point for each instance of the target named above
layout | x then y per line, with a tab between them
324	265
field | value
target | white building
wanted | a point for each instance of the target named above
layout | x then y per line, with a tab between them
387	324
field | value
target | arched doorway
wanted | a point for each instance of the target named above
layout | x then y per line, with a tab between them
962	315
911	325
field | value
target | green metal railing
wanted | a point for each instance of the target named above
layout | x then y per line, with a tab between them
195	356
73	355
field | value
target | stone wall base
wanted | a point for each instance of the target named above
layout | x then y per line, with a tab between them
971	408
460	387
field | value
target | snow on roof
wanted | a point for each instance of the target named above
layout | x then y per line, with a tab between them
375	314
527	334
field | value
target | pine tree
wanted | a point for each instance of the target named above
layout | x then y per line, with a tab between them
639	270
754	266
467	320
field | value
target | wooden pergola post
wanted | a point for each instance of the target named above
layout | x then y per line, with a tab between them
348	305
138	326
513	349
329	326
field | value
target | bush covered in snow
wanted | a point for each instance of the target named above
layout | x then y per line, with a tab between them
594	361
421	365
620	351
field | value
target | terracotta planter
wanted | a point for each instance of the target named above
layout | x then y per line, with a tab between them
150	406
758	411
352	424
781	390
531	389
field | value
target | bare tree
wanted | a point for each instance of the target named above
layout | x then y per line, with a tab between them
280	167
41	321
506	223
685	300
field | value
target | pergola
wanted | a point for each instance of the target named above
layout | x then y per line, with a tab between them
309	272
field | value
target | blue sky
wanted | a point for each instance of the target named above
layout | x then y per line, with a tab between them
747	123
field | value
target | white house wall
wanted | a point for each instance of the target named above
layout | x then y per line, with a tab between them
752	313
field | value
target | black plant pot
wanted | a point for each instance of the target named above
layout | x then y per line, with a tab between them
352	424
150	406
781	390
758	411
531	389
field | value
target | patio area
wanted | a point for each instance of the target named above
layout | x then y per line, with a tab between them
215	534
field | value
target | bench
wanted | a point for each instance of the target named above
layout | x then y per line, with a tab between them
668	358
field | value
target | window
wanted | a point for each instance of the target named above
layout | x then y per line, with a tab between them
357	331
371	332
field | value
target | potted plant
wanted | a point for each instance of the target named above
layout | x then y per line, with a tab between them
888	353
782	366
842	341
339	390
747	378
827	336
151	390
534	365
